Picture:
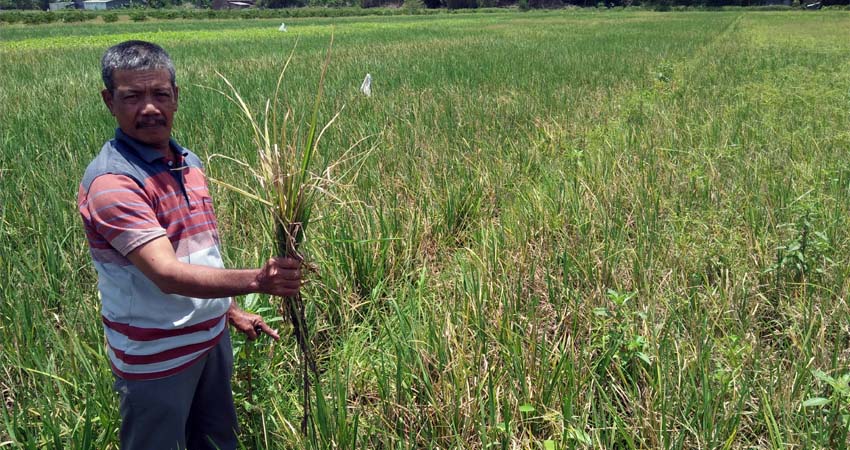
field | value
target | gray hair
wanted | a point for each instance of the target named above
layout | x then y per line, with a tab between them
134	55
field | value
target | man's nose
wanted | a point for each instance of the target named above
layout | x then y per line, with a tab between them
150	107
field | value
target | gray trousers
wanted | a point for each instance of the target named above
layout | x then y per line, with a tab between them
192	409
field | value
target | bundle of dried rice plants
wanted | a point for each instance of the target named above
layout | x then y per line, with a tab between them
288	184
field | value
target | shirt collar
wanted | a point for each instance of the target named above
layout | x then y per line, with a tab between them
147	153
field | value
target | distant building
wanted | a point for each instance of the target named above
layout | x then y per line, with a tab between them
232	4
104	4
56	6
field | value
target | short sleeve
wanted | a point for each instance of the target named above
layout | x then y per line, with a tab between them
121	212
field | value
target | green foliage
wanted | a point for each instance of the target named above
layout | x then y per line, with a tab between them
331	3
805	255
40	18
138	16
11	17
460	4
158	4
280	3
618	342
20	4
164	14
834	409
662	5
75	16
109	17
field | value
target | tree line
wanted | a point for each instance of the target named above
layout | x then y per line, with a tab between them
346	6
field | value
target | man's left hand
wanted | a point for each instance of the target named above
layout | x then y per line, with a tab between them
250	324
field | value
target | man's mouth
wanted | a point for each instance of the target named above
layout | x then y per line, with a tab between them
150	124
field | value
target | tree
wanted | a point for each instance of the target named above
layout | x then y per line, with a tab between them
280	3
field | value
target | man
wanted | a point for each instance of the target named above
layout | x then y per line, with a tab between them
165	295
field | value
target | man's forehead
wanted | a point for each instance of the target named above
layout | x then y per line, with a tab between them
139	78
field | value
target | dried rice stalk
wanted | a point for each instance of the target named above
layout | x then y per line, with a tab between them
288	189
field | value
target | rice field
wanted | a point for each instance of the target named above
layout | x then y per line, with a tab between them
567	229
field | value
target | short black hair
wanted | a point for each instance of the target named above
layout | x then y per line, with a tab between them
134	55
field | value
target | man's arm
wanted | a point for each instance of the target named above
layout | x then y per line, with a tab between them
279	276
157	260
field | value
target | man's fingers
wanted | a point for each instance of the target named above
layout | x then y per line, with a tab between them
288	263
251	332
286	283
262	327
287	292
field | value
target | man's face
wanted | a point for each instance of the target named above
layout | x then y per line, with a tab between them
143	103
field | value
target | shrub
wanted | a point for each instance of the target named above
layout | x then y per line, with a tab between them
138	16
110	17
167	14
461	4
74	16
536	4
11	17
32	19
40	17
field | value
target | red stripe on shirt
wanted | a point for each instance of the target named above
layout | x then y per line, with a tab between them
114	205
155	375
166	355
152	334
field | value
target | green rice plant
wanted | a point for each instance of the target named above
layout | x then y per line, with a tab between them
833	407
463	206
369	248
803	256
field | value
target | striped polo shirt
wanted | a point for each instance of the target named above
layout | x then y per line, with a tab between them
131	194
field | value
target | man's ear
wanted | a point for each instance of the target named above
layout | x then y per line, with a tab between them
176	97
107	99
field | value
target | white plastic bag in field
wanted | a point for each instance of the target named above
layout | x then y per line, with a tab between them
366	86
282	27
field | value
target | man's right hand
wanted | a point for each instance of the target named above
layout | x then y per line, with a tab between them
280	277
157	261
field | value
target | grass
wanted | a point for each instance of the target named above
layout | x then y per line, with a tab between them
581	229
